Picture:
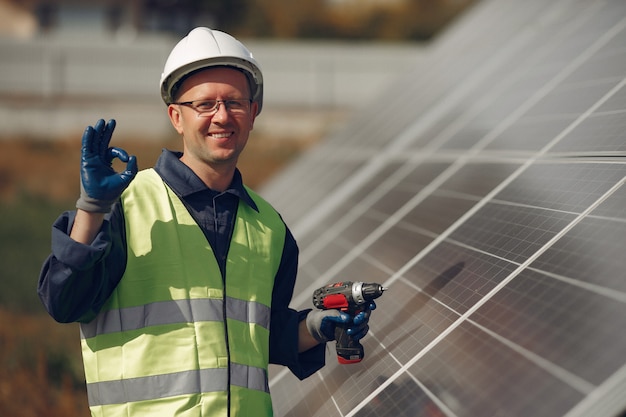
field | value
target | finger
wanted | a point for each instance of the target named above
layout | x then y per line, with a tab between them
104	132
358	333
107	133
362	317
345	317
131	166
359	318
87	141
95	147
131	170
99	126
338	316
119	153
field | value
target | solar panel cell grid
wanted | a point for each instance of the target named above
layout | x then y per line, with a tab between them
456	276
488	193
397	246
613	206
567	187
601	134
420	320
397	193
436	213
512	232
531	133
408	400
548	318
590	253
477	374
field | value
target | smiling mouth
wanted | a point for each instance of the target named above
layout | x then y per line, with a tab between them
220	135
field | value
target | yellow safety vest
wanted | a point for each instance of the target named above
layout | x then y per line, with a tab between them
172	340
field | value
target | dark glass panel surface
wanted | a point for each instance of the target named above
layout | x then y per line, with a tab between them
478	375
562	323
510	231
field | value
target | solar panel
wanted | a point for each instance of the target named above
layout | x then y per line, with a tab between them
486	189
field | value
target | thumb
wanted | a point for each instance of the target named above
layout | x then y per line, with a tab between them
131	170
338	316
119	153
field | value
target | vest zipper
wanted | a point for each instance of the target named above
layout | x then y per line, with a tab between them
226	338
228	394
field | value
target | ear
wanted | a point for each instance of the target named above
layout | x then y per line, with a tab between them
254	108
173	111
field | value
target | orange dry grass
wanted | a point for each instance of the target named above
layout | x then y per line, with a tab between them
50	169
40	370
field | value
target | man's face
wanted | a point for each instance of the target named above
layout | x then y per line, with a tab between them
214	141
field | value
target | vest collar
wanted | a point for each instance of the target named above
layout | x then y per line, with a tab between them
184	182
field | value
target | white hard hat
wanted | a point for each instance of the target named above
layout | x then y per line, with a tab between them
205	48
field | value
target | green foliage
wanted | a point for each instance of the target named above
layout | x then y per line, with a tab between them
25	227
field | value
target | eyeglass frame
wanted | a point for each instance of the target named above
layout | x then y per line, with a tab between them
216	108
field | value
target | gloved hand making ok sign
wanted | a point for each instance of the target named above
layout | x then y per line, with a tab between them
101	186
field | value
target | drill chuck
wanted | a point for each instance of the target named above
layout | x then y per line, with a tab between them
367	292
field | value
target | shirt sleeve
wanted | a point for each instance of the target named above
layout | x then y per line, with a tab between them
77	279
285	321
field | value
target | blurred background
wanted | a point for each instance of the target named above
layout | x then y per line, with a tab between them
66	63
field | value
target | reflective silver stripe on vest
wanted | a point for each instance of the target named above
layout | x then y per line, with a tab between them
175	311
248	312
249	377
179	383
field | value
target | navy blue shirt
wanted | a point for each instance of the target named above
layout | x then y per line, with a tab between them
76	279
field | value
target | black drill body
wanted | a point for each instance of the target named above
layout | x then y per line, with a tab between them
352	298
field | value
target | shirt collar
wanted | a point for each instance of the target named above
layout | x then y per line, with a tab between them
184	182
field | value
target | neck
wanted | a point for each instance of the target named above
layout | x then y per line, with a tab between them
217	177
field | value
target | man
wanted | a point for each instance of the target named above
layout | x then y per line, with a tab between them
180	275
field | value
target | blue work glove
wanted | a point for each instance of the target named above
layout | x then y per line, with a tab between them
360	322
100	185
322	323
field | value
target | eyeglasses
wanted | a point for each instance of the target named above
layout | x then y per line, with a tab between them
207	108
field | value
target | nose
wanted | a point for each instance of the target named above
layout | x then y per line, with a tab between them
221	113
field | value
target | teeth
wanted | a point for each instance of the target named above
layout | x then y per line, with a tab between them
220	135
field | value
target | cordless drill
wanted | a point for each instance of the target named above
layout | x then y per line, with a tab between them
349	297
